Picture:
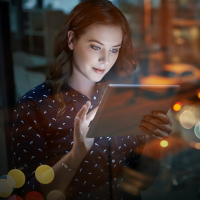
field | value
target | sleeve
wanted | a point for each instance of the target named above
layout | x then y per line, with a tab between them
29	149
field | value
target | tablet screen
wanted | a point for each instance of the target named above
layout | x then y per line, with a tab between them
123	107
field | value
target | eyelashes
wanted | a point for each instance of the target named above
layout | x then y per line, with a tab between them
98	48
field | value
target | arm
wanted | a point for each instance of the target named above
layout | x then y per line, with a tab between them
156	127
29	149
73	159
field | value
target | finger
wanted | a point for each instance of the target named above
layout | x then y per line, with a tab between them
160	124
77	125
82	112
151	130
163	117
90	116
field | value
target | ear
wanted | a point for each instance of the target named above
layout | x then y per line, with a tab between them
71	39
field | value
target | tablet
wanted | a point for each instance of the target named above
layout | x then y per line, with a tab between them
123	107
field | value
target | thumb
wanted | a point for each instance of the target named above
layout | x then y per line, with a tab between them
90	116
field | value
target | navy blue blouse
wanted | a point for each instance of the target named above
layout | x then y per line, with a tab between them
39	137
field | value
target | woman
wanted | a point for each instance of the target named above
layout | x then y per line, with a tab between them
52	119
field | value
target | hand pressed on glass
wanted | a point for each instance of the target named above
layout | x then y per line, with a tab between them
81	123
157	126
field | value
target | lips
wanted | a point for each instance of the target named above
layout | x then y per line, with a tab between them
99	71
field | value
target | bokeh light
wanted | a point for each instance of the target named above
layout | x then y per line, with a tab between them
197	145
44	174
10	179
163	143
177	106
7	188
18	176
58	195
197	130
187	119
34	196
15	197
198	95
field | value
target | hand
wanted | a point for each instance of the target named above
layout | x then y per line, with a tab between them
157	126
81	123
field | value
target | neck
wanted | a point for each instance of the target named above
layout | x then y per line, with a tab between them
81	84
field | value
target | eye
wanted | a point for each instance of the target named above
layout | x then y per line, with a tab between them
114	50
95	48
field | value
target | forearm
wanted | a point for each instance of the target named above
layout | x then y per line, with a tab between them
62	176
149	162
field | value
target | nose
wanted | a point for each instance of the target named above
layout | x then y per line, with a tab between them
104	59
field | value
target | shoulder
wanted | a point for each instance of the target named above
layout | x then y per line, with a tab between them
35	98
38	92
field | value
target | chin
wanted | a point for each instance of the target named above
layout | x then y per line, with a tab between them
96	79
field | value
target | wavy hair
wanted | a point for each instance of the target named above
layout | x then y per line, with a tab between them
85	14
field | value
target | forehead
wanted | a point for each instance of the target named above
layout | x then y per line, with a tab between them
108	35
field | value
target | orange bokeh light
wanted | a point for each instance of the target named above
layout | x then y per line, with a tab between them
197	146
198	95
163	143
177	106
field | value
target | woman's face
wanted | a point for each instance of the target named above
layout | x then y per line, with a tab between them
96	51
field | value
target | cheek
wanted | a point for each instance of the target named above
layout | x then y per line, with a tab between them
113	59
84	56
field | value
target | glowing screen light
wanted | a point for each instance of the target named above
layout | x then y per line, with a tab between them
163	143
56	195
197	130
187	119
15	197
177	106
18	176
33	196
44	174
7	188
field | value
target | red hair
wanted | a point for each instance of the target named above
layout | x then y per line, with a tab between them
84	15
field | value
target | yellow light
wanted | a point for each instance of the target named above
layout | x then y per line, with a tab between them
177	106
44	174
7	188
18	177
163	143
187	119
197	146
198	95
56	195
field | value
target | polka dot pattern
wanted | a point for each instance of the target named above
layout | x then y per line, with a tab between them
40	138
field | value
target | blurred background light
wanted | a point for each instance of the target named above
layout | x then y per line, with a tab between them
187	119
15	197
9	179
7	188
197	145
198	95
56	195
197	130
177	106
18	176
163	143
34	196
44	174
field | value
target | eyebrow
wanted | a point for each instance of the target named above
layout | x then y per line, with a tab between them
102	43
